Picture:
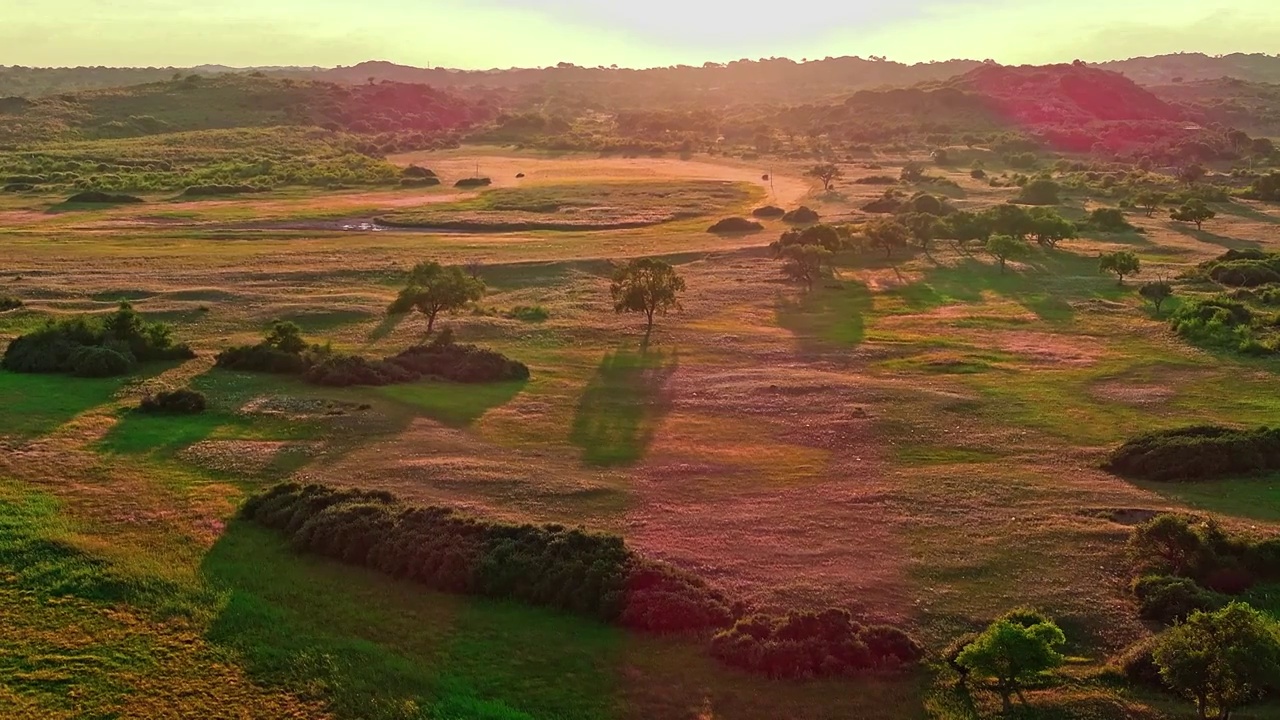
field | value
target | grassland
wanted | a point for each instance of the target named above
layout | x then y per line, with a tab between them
916	441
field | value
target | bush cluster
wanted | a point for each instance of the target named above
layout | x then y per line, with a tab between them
473	182
1203	452
1184	565
731	225
284	351
1224	324
90	346
768	211
9	302
1243	268
585	573
809	645
802	215
174	402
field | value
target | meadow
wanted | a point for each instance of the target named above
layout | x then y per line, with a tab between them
916	439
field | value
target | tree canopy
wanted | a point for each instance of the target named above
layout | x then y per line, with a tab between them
1220	660
1012	653
434	289
648	286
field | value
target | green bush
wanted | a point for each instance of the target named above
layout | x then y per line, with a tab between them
1137	665
527	313
59	346
732	225
1204	452
93	361
1222	323
9	302
585	573
174	402
1168	600
1040	191
1109	220
810	645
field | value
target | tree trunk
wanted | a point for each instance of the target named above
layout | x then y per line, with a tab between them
1199	225
1001	266
1005	698
431	322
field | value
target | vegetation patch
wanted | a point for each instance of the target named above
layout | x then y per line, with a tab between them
9	302
1225	324
768	211
208	190
97	197
1204	452
603	206
174	402
90	346
1243	268
735	225
810	645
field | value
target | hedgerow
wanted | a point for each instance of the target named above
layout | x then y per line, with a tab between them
284	351
585	573
1203	452
91	346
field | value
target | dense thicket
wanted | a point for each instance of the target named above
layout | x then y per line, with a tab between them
94	346
284	351
174	402
573	570
1202	452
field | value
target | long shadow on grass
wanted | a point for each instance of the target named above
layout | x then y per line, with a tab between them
1211	238
1245	211
623	405
35	404
374	647
455	404
827	316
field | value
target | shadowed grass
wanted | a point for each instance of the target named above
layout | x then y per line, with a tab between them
32	405
454	404
622	405
827	315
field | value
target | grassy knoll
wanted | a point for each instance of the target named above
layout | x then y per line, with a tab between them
916	440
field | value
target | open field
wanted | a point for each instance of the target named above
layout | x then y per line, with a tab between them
915	439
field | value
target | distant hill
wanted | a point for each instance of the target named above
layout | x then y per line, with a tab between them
1190	67
1250	106
236	101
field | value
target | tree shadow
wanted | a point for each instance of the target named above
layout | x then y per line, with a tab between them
622	406
456	404
388	325
1205	236
1250	213
970	280
830	315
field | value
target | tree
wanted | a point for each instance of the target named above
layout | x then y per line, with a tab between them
1157	292
805	263
826	236
1041	191
965	227
646	285
912	172
434	289
1194	210
1006	247
887	234
1049	228
1220	660
923	228
1010	220
1150	201
1012	654
286	337
827	173
1189	174
1122	262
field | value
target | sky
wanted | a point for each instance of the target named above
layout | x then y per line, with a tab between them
481	34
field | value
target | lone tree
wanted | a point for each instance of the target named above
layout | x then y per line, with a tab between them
1220	660
1157	292
1194	210
1006	247
1150	201
805	263
887	234
827	173
434	289
646	285
1122	263
1049	228
1011	654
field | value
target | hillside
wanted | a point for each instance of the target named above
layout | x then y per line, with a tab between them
1250	106
235	101
1188	67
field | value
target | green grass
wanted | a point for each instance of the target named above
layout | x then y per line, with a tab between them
33	405
621	407
1252	498
454	404
827	316
144	433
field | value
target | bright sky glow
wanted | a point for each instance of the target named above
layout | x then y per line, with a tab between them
507	33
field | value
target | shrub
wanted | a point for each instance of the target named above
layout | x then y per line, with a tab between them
527	313
768	211
1219	323
415	172
1203	452
9	302
95	197
1040	191
809	645
1013	654
876	180
174	402
1167	599
94	361
419	182
1109	220
56	347
473	182
802	215
1137	664
1221	660
735	225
